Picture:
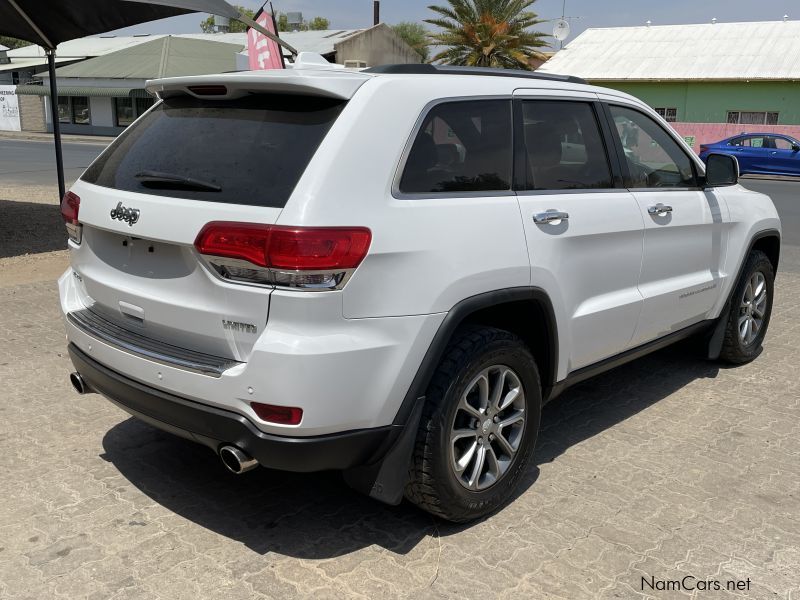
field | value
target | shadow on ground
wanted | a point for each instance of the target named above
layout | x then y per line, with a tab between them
30	228
318	516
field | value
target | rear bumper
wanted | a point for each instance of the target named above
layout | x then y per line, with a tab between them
214	427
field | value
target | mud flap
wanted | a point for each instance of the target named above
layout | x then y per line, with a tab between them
718	334
386	479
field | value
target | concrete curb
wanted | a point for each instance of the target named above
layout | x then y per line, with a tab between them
48	137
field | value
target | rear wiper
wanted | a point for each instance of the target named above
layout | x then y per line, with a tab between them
159	180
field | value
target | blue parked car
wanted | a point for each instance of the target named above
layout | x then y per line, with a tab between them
760	153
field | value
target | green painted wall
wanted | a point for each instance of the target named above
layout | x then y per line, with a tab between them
704	102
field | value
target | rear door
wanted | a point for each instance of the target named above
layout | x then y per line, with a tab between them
584	231
184	164
684	238
753	154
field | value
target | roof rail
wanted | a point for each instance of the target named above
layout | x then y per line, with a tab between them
428	69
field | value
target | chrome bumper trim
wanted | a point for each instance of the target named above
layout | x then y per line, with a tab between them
134	343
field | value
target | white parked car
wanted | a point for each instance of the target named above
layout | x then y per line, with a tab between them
389	272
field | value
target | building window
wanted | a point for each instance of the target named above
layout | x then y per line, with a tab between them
127	110
123	108
752	117
80	110
63	110
670	115
74	110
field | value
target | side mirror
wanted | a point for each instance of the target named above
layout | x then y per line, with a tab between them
795	147
721	170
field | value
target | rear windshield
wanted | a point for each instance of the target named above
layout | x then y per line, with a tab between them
250	151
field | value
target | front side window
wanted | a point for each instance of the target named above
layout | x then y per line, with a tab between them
564	146
461	147
654	158
782	143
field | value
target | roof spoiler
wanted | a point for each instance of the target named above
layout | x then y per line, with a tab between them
327	83
428	69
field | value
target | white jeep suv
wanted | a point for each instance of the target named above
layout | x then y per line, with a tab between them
389	272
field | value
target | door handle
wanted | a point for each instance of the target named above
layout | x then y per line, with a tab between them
659	210
551	216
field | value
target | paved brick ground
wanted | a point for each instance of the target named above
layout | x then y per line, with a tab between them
668	467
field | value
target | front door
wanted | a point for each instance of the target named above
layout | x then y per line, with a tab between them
584	231
684	232
785	155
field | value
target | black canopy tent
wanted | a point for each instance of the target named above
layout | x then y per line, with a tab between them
47	23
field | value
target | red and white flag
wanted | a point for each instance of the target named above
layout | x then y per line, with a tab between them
264	53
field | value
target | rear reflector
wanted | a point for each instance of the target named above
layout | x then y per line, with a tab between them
281	415
286	248
70	206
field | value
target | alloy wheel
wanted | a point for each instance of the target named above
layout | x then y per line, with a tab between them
487	428
752	308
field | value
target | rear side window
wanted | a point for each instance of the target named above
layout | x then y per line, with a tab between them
461	147
250	151
564	147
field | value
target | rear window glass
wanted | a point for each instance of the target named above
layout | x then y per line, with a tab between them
461	147
250	151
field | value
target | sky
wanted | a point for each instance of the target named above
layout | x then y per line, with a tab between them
355	14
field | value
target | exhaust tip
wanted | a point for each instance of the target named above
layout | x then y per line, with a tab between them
237	461
79	383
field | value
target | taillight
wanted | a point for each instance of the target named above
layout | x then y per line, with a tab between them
282	415
703	148
317	249
70	205
300	257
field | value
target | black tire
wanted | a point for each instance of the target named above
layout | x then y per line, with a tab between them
734	349
433	484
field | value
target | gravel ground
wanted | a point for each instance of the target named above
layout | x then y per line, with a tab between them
32	238
666	468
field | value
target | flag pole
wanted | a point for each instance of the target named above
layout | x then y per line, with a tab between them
275	25
264	31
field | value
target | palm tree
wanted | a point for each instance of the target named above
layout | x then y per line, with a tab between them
487	33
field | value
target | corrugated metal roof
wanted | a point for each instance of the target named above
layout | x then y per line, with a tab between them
320	42
721	51
18	64
167	56
88	46
105	92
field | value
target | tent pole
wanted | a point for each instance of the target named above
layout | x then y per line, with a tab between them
51	64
